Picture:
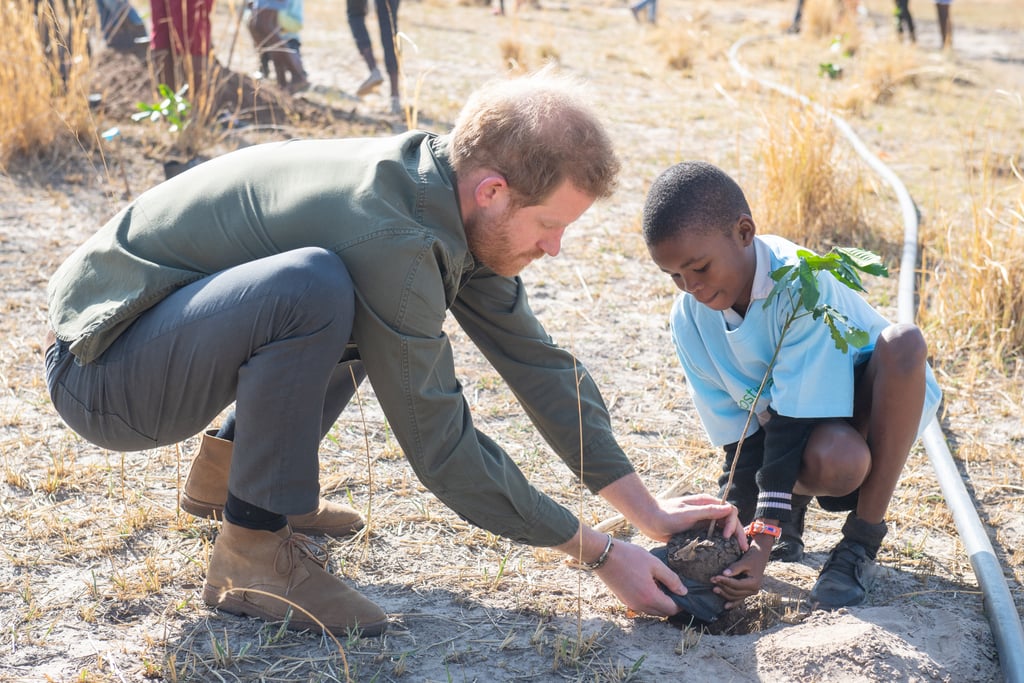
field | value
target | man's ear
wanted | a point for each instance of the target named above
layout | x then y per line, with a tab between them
491	189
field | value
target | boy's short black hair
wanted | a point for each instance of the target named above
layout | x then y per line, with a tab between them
692	196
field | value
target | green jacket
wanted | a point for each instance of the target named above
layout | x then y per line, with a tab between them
388	208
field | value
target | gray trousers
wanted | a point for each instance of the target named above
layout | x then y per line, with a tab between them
269	335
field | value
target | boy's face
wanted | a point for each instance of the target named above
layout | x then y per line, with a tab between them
716	268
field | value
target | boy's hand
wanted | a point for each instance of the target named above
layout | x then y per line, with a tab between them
743	577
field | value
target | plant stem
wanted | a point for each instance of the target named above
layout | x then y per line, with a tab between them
753	407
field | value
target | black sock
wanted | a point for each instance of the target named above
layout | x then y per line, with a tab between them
868	535
237	511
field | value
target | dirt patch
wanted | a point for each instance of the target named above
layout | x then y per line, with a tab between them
124	78
694	555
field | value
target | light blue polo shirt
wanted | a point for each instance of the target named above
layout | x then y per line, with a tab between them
725	356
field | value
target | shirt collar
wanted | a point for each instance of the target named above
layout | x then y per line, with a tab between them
763	282
762	285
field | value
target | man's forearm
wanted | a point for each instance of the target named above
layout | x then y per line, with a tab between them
630	497
587	546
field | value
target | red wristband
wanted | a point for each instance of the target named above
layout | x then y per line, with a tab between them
758	527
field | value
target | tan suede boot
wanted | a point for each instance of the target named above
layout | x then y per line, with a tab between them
263	574
206	491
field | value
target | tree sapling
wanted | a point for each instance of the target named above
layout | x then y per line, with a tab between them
700	556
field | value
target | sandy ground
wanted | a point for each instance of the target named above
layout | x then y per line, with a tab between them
102	575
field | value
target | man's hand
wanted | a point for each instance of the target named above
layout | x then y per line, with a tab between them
659	519
743	577
690	511
633	574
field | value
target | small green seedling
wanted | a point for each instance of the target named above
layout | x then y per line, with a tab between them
831	70
173	108
799	283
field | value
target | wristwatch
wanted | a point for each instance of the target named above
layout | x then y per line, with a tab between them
758	527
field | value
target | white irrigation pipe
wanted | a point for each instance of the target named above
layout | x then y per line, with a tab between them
999	607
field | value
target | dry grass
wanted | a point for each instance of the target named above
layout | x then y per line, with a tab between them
976	269
821	19
200	131
44	77
679	43
513	55
809	187
520	55
877	76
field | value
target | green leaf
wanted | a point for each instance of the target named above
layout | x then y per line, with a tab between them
809	293
173	108
838	338
824	313
816	262
857	337
848	276
780	272
864	260
829	69
783	277
843	333
801	279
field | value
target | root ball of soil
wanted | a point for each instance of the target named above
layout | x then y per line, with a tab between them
693	555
